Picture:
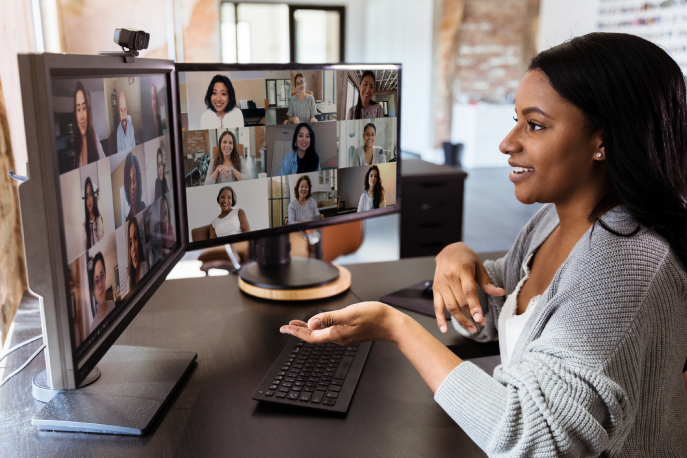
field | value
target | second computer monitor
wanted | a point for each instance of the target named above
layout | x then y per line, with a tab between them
275	149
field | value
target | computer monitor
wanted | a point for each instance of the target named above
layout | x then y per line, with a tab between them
131	164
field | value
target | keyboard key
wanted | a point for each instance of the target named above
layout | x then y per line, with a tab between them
285	368
287	384
297	366
302	378
329	402
297	388
317	370
279	377
269	393
284	389
349	353
293	396
323	384
337	382
276	382
289	379
311	384
335	388
300	344
321	388
352	348
316	397
281	374
331	394
309	388
326	379
305	397
273	387
280	395
299	384
341	372
291	360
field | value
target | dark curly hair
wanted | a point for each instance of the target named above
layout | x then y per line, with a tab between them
298	183
230	90
378	191
132	161
312	160
234	199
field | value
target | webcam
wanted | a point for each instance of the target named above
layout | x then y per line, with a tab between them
132	39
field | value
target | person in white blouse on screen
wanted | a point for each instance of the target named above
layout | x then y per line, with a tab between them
230	221
369	154
222	111
373	197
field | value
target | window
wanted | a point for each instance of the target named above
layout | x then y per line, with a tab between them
281	33
351	95
279	199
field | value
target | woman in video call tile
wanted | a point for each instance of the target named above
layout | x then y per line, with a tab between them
369	154
160	182
373	197
221	102
138	266
366	108
164	226
132	185
303	159
302	106
87	147
94	228
304	208
228	165
104	306
229	221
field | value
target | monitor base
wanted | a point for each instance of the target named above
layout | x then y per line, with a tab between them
41	391
340	284
134	386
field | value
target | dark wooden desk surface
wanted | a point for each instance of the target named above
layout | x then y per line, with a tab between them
237	339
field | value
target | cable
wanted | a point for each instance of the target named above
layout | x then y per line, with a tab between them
28	361
18	346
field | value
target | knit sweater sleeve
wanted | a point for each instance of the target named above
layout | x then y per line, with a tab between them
573	386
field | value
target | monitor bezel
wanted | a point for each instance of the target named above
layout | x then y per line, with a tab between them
37	71
275	231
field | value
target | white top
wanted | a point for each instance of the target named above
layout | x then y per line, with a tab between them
367	203
229	225
234	118
510	324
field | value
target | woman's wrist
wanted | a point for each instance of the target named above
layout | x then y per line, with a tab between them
397	325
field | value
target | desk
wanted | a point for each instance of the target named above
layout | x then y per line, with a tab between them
237	339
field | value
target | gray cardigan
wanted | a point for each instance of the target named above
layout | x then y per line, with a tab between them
295	210
598	367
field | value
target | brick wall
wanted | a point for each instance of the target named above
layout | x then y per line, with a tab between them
195	140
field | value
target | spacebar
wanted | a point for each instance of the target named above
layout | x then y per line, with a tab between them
343	367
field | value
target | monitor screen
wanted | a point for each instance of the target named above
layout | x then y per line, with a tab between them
116	191
264	148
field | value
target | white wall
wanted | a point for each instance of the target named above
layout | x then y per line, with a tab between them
560	20
481	127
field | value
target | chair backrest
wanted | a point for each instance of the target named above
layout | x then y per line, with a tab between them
341	239
200	233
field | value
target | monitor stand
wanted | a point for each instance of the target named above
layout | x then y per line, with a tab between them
276	275
123	395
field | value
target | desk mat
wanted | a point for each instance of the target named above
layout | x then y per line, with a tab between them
414	299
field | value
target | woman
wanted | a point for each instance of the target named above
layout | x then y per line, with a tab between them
138	266
229	221
221	102
132	186
94	228
165	229
303	159
598	274
302	105
104	306
87	147
373	197
228	165
160	182
366	108
368	154
304	207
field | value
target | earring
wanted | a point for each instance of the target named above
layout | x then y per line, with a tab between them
599	155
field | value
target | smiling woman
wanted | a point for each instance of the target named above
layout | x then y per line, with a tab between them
590	304
220	100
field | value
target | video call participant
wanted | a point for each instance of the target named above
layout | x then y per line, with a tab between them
94	228
304	207
103	305
125	130
366	108
369	154
373	197
303	159
160	182
156	124
221	102
302	106
132	185
228	165
229	221
87	147
164	229
138	266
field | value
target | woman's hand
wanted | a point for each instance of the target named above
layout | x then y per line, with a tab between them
321	216
313	119
296	120
224	170
356	323
458	272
